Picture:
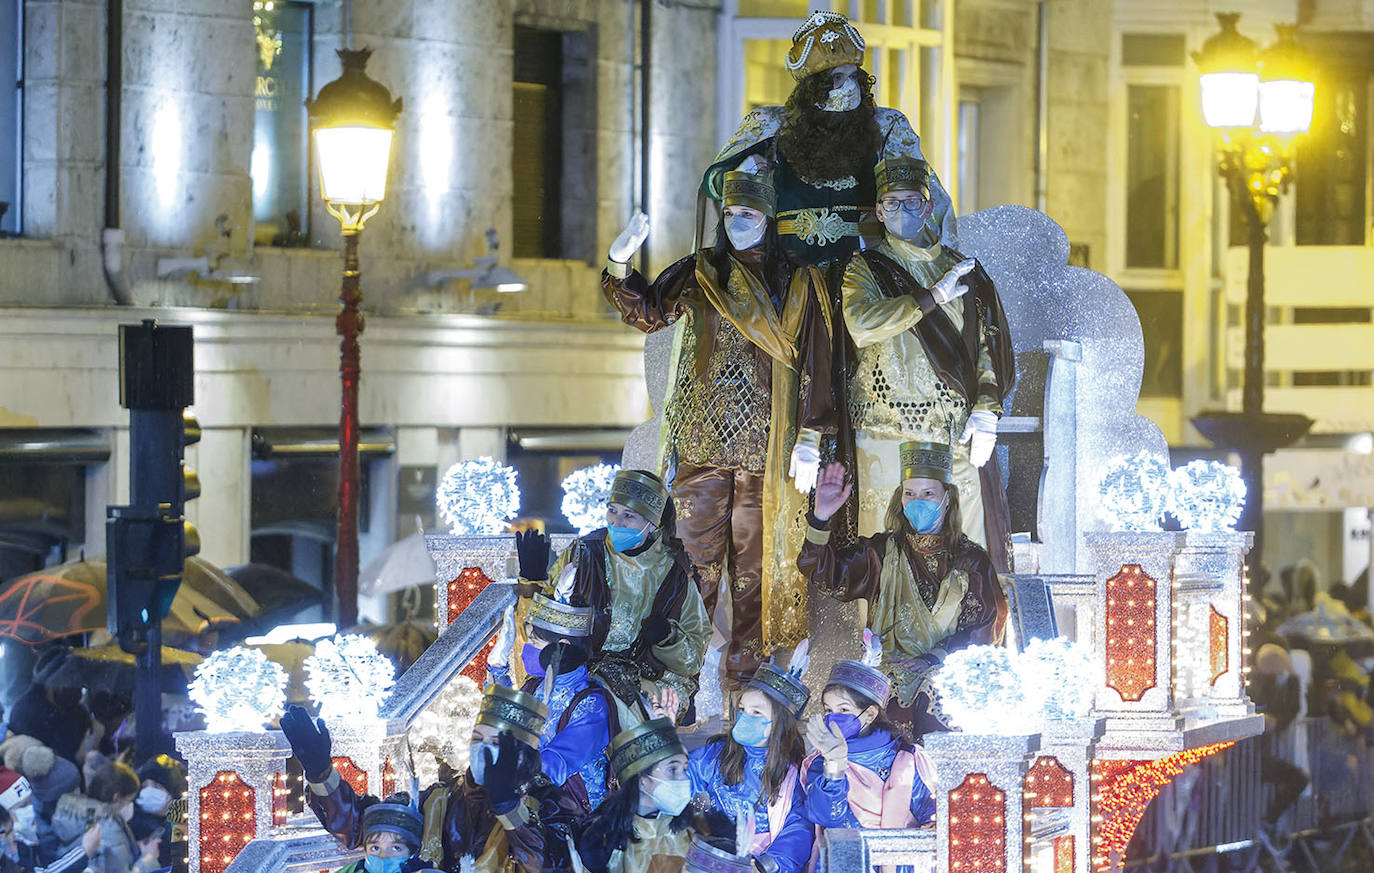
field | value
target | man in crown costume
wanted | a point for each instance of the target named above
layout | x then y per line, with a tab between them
930	589
825	143
749	398
582	713
648	625
500	816
934	357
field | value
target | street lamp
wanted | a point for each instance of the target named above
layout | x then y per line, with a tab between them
353	120
1259	103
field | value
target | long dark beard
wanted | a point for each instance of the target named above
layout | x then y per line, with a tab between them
820	145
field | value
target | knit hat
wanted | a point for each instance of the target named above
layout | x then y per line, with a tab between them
14	789
61	778
165	771
27	756
396	816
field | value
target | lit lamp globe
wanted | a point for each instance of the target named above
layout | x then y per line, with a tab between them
1228	66
1286	89
353	119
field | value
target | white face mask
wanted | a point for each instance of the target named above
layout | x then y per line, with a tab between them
24	829
153	799
745	231
843	98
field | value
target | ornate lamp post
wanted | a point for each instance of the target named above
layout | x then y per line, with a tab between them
353	119
1258	103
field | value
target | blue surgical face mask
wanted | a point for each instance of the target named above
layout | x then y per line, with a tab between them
745	231
924	515
671	796
529	657
848	725
377	864
905	225
751	730
625	538
477	761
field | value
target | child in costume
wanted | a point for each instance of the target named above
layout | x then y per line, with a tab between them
649	627
754	770
931	590
863	774
500	816
647	824
392	831
582	714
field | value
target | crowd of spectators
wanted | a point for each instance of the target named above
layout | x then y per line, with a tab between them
1313	658
70	799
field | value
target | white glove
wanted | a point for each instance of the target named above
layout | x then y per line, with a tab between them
630	239
806	461
981	435
505	641
948	287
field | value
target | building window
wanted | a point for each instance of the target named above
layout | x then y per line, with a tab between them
1161	323
1333	165
11	113
1152	146
281	153
554	163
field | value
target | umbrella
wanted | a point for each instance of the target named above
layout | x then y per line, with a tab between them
219	586
70	599
401	565
112	669
402	641
1330	624
273	588
291	656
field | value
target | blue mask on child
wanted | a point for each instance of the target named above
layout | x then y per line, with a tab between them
751	730
625	538
924	515
529	657
376	864
477	761
847	724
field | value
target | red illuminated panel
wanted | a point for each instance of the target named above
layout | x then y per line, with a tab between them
388	778
1131	632
227	820
1063	854
1216	634
1048	783
463	590
351	773
976	831
1122	790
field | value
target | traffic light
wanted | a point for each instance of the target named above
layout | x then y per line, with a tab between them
147	542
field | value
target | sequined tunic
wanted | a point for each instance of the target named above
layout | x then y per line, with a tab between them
584	737
721	418
895	393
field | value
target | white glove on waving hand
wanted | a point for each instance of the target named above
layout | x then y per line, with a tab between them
630	239
948	287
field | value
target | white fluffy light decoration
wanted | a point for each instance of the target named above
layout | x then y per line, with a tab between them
585	492
1054	673
1134	491
238	689
478	497
1206	495
440	733
981	691
347	677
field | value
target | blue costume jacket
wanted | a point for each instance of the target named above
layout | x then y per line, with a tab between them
579	748
790	848
827	800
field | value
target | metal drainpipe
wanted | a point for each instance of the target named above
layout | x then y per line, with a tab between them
1042	106
112	237
645	56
